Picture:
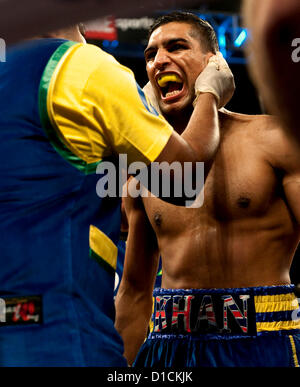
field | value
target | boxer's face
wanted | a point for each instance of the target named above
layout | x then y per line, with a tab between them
174	59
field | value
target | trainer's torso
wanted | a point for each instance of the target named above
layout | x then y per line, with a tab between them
54	229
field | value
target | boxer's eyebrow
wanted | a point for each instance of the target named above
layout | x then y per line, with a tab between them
176	40
149	49
166	43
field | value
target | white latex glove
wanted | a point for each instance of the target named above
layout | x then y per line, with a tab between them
216	79
148	90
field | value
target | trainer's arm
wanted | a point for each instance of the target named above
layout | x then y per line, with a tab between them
200	140
104	112
134	297
214	87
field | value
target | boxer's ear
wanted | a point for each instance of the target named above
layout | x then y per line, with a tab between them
207	57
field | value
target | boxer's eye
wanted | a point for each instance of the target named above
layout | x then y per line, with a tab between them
149	55
177	47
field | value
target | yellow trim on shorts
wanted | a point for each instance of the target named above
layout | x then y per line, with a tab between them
295	357
275	303
277	325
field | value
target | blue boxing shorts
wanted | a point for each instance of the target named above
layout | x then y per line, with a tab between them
244	327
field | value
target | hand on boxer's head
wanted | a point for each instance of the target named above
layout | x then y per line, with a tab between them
148	90
217	79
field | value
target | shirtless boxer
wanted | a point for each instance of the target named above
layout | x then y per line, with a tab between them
226	297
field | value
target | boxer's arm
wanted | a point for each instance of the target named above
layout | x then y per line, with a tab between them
291	185
134	298
292	192
284	155
290	164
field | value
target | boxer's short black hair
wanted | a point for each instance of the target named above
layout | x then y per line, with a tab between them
201	28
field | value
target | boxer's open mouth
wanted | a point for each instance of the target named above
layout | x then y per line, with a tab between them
171	85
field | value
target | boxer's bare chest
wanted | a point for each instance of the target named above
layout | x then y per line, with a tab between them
240	184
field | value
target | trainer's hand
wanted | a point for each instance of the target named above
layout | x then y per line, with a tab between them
216	79
148	90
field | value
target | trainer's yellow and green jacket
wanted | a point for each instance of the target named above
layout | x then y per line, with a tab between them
64	108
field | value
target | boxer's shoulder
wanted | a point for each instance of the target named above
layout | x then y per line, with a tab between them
255	124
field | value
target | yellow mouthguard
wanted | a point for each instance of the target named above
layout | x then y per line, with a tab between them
164	79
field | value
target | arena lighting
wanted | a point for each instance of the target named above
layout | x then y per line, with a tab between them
20	19
131	34
241	38
114	43
110	44
221	34
222	40
230	34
